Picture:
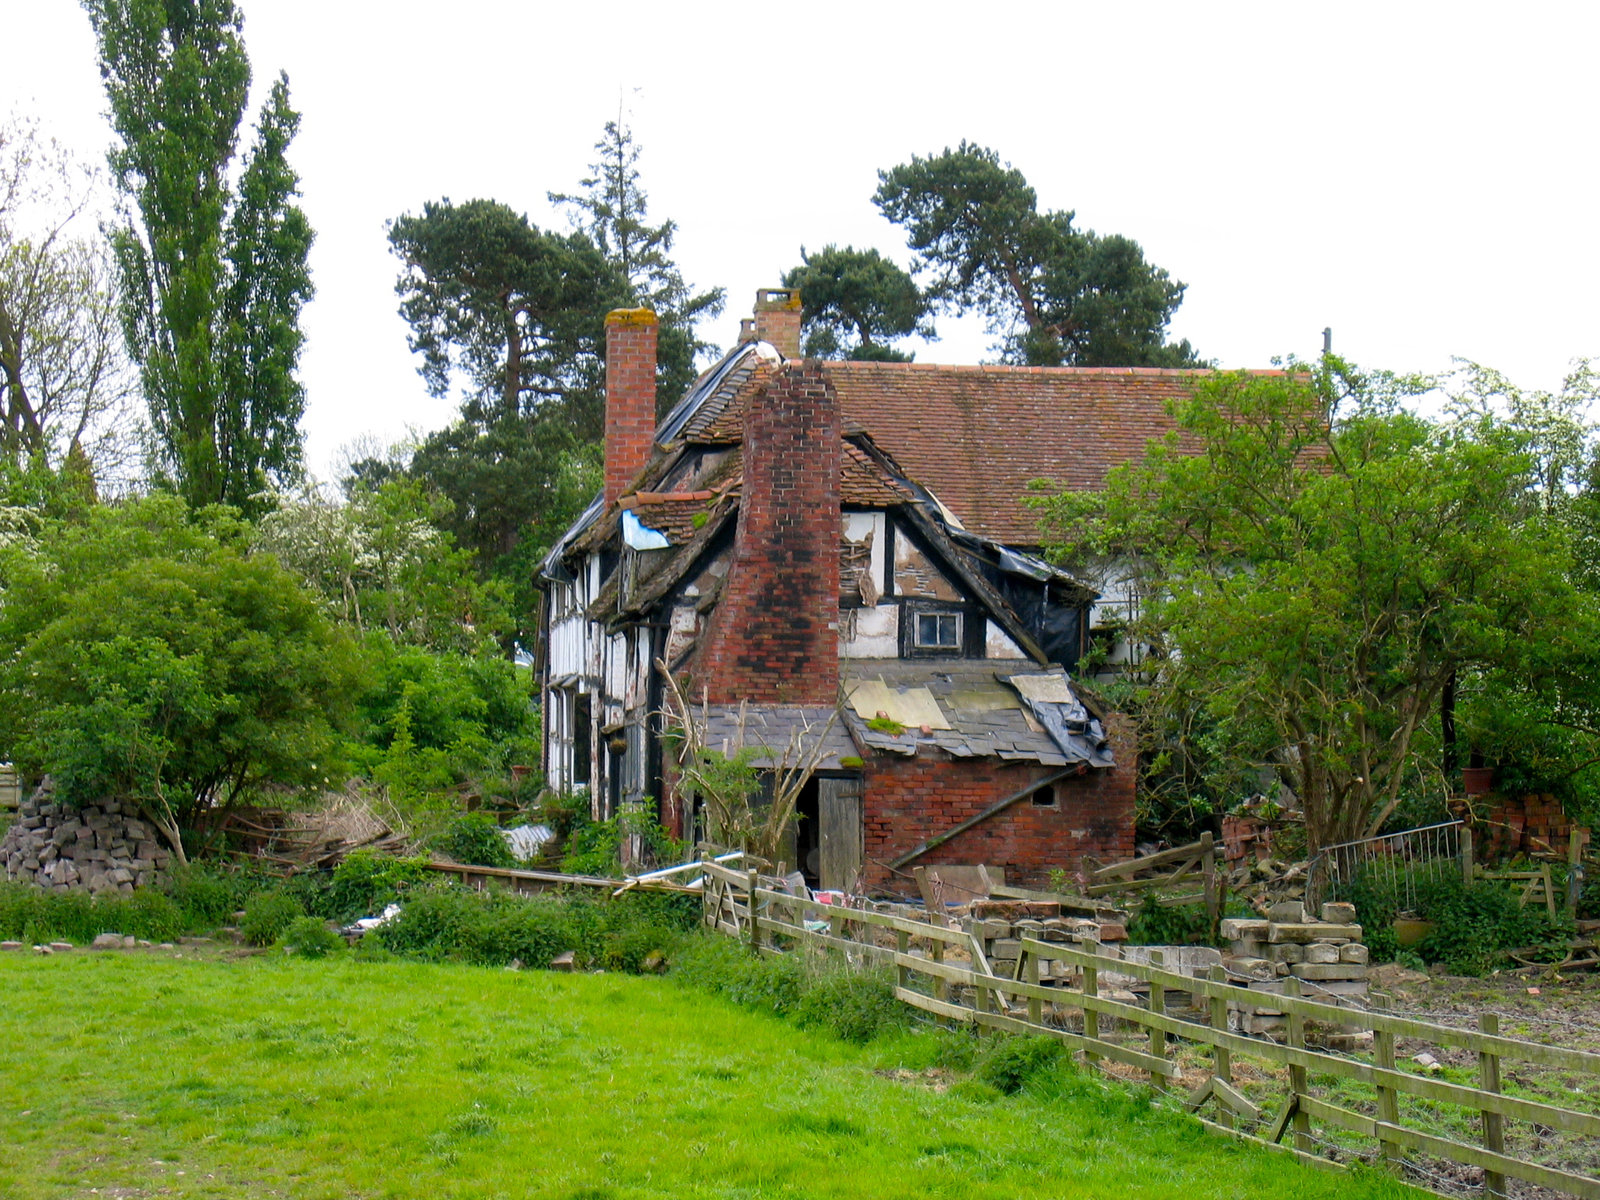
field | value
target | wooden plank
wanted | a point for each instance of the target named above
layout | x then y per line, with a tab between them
1233	1098
552	878
1443	1035
1159	859
839	833
819	910
1280	1123
1310	1160
1140	885
1077	904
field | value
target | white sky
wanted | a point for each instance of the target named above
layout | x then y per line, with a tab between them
1418	176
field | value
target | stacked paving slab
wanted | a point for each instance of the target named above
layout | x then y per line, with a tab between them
98	848
1327	957
1002	924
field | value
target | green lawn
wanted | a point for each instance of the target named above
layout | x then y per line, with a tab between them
142	1075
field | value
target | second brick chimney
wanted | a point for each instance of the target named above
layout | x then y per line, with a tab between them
778	319
774	636
630	395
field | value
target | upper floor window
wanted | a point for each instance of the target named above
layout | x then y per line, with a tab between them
931	629
937	631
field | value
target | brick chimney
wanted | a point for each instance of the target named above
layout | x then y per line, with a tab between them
774	635
630	395
778	319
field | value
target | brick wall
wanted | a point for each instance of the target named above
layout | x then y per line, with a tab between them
908	800
1535	825
773	637
630	395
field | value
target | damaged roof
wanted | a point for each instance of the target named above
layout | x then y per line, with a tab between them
976	708
780	732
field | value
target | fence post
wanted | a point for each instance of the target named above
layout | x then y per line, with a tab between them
708	893
1158	1005
941	985
1208	867
753	881
1494	1134
1091	987
1297	1072
902	945
1383	1053
1466	853
1031	973
1222	1057
1574	871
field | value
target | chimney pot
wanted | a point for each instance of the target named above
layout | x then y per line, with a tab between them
778	319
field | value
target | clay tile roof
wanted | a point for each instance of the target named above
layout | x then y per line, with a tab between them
976	435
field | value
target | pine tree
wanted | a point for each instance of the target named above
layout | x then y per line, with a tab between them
612	207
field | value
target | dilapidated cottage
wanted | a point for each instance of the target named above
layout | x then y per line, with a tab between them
799	536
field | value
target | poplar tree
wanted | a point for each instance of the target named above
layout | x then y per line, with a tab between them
213	269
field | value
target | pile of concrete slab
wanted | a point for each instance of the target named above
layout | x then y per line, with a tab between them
1325	955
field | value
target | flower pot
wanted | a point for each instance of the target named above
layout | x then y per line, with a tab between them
1477	781
1408	931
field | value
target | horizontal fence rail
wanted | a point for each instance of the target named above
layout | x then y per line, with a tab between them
1314	1097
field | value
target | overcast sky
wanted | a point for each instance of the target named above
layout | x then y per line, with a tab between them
1419	177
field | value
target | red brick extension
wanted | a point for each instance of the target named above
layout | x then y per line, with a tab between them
908	800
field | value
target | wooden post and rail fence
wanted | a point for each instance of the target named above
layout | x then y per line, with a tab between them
1316	1094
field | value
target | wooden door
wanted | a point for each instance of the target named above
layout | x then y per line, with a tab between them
839	828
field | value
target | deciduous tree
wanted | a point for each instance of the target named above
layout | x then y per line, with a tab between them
1319	563
213	275
65	385
147	657
1054	294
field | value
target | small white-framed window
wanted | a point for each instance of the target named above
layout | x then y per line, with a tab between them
936	631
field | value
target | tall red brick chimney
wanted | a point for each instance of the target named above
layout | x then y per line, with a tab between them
778	319
774	635
630	395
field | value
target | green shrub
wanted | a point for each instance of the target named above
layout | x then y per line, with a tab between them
816	990
853	1004
29	913
268	915
1473	927
309	937
1155	924
475	838
492	928
209	896
1015	1062
365	882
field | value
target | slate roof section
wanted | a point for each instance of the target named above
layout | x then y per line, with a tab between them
773	729
986	716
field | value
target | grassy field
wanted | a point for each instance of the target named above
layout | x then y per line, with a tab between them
141	1074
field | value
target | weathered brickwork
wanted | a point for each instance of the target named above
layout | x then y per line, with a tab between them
773	637
908	800
630	396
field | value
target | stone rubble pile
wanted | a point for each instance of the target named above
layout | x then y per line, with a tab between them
99	847
1326	956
